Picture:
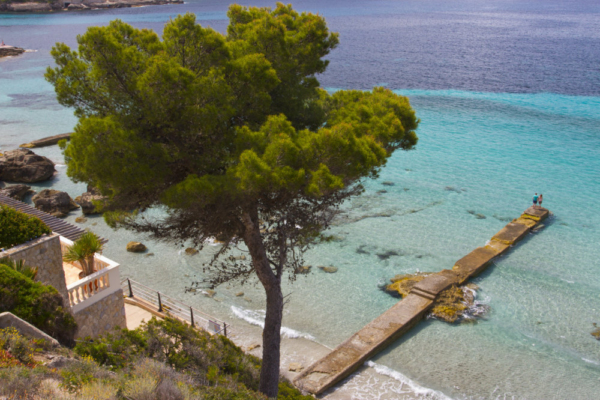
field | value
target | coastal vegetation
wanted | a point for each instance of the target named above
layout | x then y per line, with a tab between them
231	135
160	360
40	305
17	228
82	251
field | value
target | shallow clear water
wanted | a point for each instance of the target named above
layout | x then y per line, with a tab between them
508	95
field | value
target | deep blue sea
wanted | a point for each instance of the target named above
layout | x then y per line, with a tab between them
508	93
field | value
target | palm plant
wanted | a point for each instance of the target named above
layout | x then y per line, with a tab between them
83	251
19	266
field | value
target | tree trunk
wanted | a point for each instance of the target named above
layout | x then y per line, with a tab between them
89	260
269	372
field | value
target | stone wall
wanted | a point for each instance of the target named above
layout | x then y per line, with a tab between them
102	316
45	254
8	320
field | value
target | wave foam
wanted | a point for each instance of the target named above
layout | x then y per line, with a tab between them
414	387
257	318
590	361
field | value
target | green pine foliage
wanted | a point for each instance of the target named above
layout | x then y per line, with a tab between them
40	305
229	134
17	228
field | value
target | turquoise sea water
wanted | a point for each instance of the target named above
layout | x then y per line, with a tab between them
481	149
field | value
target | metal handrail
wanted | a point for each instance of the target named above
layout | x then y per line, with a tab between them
175	307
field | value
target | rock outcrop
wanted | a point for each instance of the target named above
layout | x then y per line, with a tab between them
23	165
91	201
17	192
54	5
54	202
9	51
136	247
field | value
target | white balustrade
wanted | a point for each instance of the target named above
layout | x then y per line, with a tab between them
96	286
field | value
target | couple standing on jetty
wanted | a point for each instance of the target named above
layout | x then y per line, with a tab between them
538	199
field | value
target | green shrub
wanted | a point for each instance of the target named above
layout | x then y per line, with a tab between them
38	304
79	373
222	369
17	227
19	266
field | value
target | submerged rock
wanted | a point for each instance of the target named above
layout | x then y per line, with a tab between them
388	183
304	269
329	270
387	254
80	220
361	249
452	189
54	202
190	251
23	165
136	247
596	332
17	192
331	238
479	216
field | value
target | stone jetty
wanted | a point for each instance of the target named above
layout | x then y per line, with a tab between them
47	141
393	323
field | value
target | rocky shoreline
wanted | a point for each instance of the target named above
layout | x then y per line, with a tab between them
54	5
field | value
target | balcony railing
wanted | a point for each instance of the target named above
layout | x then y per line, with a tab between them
93	288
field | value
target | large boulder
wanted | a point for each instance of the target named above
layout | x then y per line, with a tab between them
54	202
17	192
23	165
91	201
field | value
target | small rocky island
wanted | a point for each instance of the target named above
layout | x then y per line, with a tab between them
8	51
64	5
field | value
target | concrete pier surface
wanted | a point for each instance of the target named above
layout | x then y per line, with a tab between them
47	141
389	326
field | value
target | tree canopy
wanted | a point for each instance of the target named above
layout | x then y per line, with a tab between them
230	134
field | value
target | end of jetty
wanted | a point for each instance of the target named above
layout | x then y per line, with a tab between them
393	323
